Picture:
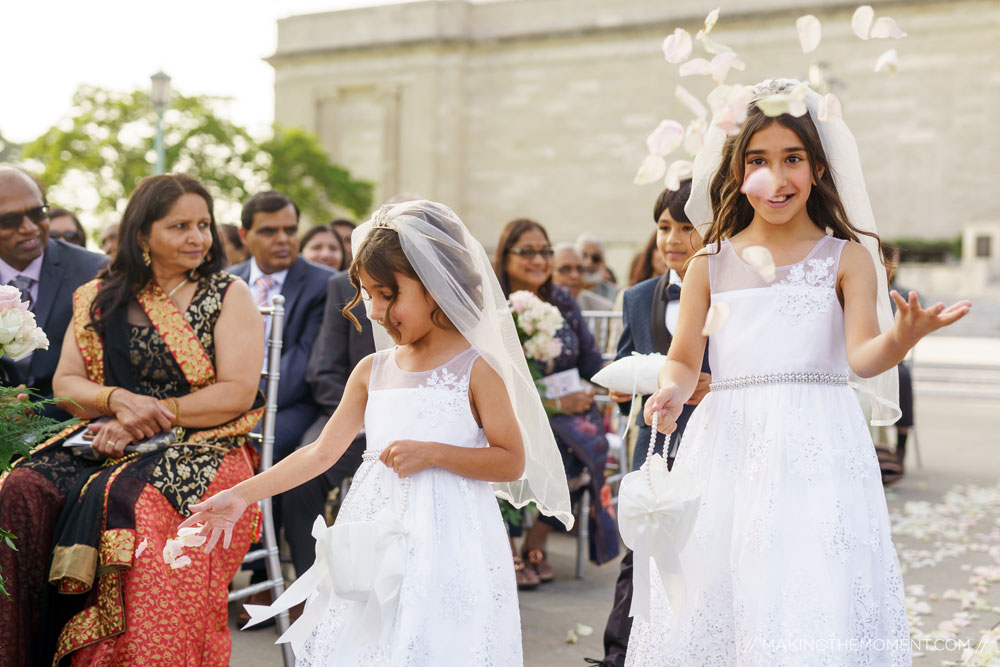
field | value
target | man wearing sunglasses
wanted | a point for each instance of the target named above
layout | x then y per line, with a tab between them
47	271
595	279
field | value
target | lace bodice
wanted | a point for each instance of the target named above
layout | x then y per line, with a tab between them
428	405
795	324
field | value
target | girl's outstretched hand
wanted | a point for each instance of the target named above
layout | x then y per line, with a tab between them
218	514
408	457
668	402
914	322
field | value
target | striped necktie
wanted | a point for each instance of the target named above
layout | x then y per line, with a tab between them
262	287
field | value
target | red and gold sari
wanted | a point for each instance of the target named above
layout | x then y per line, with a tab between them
80	593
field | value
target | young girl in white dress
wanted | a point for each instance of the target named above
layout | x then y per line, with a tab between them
447	409
790	560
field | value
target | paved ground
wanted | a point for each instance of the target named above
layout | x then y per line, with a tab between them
947	520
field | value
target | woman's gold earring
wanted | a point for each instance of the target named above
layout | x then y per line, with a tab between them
145	258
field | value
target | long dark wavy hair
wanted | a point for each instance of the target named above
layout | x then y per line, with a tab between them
509	236
151	200
731	208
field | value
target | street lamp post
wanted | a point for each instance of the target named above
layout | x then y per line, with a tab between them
160	96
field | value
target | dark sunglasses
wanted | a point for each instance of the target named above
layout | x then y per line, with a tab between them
9	221
71	236
595	258
530	253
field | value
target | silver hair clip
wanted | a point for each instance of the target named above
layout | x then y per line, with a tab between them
381	218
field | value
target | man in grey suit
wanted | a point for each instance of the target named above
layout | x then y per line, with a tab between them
47	271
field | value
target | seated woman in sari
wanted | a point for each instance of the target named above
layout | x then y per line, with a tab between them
164	341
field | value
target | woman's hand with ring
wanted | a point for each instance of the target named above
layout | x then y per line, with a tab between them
142	416
111	439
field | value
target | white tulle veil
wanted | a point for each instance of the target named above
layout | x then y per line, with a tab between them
882	391
456	272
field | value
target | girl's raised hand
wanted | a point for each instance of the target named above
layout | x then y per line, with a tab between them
408	457
914	322
218	514
669	403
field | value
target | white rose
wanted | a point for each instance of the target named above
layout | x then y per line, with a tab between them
39	339
11	322
19	347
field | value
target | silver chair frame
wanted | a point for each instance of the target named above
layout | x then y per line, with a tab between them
269	553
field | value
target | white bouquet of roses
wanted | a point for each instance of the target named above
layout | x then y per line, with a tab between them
537	323
19	335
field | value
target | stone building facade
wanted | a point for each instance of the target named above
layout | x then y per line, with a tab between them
540	108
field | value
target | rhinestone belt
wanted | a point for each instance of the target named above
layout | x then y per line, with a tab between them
779	378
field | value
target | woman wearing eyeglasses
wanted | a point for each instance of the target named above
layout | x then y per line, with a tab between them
523	261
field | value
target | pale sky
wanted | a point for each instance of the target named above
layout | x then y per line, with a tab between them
49	47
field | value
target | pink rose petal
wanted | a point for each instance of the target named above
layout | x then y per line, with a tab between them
183	561
718	313
861	21
830	110
722	63
676	172
694	135
760	183
142	547
710	20
714	47
690	101
652	169
677	47
810	32
667	136
761	260
886	28
729	106
695	67
888	61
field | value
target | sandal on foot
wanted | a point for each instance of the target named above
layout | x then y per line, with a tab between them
525	576
538	562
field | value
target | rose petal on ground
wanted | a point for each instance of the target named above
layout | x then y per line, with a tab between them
676	172
652	169
690	101
760	183
710	20
667	136
886	28
861	21
142	547
677	47
722	63
718	313
830	110
810	32
761	260
571	637
888	61
695	67
183	561
584	630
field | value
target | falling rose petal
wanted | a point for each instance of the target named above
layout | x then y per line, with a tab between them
172	550
830	110
694	136
888	61
667	136
810	32
714	47
816	79
861	22
710	21
729	106
190	537
676	172
886	28
761	260
183	561
722	63
695	67
718	313
677	47
690	101
760	183
142	547
652	169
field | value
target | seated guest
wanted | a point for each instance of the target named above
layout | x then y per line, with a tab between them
595	270
236	252
567	267
323	245
344	227
523	261
46	271
163	342
109	239
270	231
65	226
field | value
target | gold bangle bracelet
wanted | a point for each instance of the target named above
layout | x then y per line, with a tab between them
174	406
103	400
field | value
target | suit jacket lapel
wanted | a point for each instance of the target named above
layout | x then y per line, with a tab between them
48	283
657	316
292	287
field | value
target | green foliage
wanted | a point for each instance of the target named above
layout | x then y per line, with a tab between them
108	137
8	149
929	250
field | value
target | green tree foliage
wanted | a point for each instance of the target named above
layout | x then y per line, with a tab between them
108	137
8	149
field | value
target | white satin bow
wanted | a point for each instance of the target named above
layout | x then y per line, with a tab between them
656	513
362	561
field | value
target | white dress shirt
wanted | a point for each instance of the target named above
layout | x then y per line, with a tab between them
674	305
278	279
